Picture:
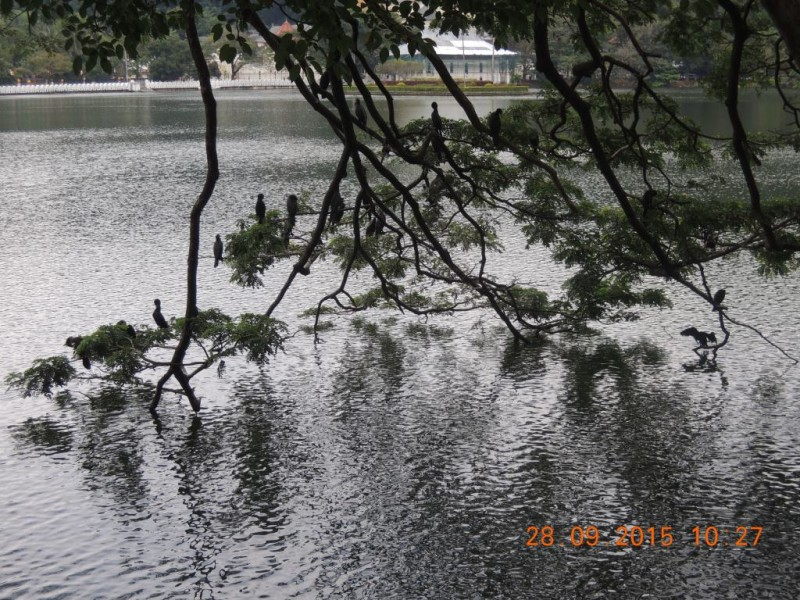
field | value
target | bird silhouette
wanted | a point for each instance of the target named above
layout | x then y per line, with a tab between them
648	200
261	209
292	206
130	331
377	224
337	207
718	298
534	139
701	337
361	114
365	199
495	124
217	251
435	118
158	317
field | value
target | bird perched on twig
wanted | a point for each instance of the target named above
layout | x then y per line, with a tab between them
377	224
74	342
495	124
718	298
701	337
158	317
292	206
217	251
360	113
435	118
337	207
261	209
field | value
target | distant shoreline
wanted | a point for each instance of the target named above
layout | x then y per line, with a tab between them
247	84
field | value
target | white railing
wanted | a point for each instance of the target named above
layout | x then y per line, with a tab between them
135	86
266	82
66	88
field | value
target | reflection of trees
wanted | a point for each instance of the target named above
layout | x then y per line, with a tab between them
44	434
394	465
636	431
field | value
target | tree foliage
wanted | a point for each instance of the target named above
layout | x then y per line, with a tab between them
434	205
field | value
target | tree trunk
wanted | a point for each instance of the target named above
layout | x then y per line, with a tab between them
176	368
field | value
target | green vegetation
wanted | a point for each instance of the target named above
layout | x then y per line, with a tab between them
427	237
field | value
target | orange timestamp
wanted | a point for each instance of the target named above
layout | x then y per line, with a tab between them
637	536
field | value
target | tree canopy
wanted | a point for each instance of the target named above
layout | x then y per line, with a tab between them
435	201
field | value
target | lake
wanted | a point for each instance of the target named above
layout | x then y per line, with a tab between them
396	458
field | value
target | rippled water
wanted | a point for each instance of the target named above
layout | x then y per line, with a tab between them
396	459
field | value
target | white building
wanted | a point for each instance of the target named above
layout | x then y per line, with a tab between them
468	57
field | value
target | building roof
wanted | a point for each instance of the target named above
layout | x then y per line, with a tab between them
467	45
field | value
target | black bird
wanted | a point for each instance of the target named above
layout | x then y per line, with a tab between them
377	224
217	251
438	147
365	199
435	118
534	139
158	317
718	298
361	114
495	124
74	342
701	337
130	331
337	207
648	200
261	208
292	206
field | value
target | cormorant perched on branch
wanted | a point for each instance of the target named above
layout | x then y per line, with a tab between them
74	342
494	122
377	224
217	251
158	317
435	118
365	199
701	337
718	298
292	206
337	207
361	114
534	139
438	147
648	200
261	209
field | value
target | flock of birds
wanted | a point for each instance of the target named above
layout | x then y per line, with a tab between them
376	225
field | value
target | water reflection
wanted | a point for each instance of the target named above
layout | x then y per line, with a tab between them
337	478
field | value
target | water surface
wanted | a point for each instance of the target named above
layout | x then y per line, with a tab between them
396	459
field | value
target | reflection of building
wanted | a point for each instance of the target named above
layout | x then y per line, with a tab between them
467	56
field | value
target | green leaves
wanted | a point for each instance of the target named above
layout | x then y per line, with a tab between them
44	375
